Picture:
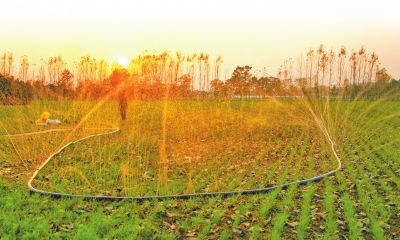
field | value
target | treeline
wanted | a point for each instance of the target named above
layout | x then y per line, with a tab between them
318	73
14	92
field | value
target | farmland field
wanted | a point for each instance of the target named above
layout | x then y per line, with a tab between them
178	147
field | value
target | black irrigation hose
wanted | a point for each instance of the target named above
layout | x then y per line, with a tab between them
184	196
33	190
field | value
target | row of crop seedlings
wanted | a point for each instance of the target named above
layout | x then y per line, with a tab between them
8	156
349	201
382	168
287	159
202	175
381	147
302	226
197	166
274	174
270	208
294	157
347	205
194	170
235	178
224	163
315	205
274	211
379	154
386	185
216	162
197	124
122	163
353	196
93	164
197	171
338	212
257	167
71	160
386	157
36	147
134	178
370	200
329	215
370	213
248	164
258	228
253	166
288	206
119	168
319	153
306	154
298	220
270	161
237	170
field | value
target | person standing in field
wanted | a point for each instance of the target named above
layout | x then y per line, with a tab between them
123	105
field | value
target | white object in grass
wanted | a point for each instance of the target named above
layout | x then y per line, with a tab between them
55	121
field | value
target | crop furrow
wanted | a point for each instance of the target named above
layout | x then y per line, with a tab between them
287	204
367	203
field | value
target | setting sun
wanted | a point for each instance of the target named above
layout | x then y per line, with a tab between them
123	61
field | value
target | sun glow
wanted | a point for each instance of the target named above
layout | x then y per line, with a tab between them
122	60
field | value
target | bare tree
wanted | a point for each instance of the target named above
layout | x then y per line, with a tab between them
217	67
93	68
178	62
353	60
264	72
279	72
320	64
3	64
42	71
200	67
164	58
331	67
226	73
360	60
192	68
55	66
33	73
323	62
84	68
10	60
207	69
341	65
309	66
288	69
6	63
23	70
300	66
372	62
102	70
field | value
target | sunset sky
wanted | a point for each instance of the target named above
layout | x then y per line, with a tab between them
256	33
